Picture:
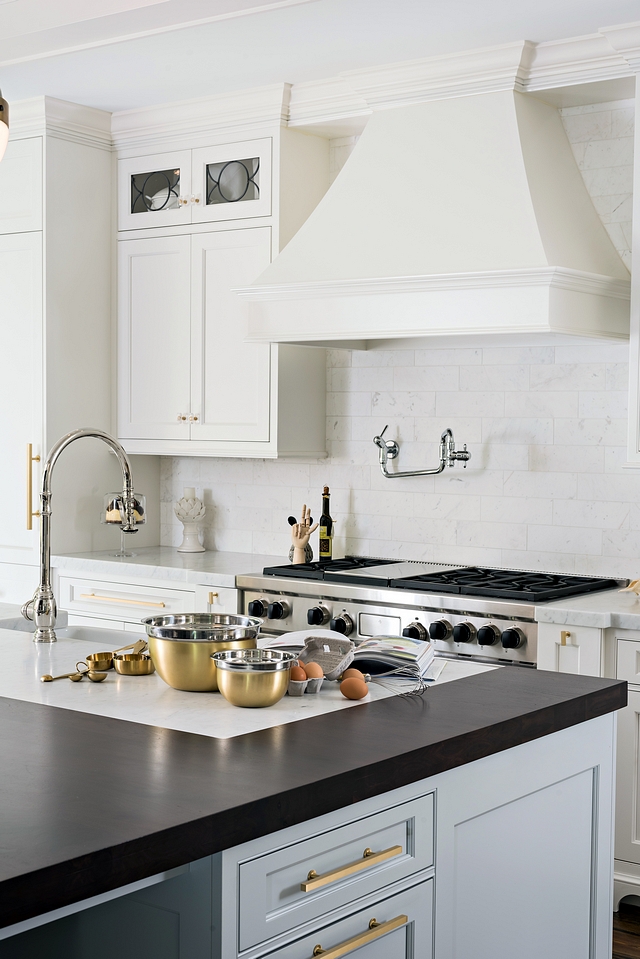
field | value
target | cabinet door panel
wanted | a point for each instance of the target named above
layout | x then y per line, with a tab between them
232	182
20	389
154	338
21	186
627	843
230	378
154	191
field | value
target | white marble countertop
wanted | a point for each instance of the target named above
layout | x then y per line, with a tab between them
210	568
602	610
148	700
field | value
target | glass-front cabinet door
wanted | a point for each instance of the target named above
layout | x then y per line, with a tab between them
232	181
154	190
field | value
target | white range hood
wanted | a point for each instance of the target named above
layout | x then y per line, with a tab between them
465	215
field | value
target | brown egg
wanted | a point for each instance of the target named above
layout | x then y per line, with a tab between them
298	674
313	670
352	673
353	688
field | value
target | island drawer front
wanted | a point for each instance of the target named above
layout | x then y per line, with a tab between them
628	666
271	900
122	601
404	930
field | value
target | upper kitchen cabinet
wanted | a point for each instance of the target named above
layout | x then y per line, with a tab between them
55	215
197	223
213	183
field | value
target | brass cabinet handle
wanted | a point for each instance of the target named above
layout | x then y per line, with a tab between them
369	858
116	599
375	930
212	597
31	459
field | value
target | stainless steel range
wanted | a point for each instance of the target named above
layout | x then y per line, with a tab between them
480	613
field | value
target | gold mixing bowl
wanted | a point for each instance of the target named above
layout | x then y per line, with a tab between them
133	664
253	677
181	645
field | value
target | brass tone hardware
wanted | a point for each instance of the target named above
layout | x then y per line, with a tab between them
31	459
115	599
192	418
369	858
564	636
375	930
212	598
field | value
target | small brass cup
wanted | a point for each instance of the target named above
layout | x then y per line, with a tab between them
133	664
100	661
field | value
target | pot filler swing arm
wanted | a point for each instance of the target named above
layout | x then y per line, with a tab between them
389	450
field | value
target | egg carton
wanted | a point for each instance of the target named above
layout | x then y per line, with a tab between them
333	655
298	687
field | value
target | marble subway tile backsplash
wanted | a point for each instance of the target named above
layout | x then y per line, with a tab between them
546	487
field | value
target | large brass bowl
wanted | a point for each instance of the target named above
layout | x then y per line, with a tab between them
254	677
181	646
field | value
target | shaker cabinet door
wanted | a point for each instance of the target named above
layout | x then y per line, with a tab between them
627	843
230	377
21	186
20	391
154	338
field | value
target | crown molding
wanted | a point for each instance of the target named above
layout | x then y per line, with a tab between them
232	114
486	70
625	40
41	116
577	281
325	101
578	60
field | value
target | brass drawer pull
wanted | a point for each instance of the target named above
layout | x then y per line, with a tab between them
31	459
115	599
212	598
369	858
375	930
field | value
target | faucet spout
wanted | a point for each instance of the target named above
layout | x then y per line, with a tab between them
42	609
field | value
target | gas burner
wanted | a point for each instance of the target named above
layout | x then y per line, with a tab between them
504	584
318	569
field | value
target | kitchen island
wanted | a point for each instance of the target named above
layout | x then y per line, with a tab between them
490	798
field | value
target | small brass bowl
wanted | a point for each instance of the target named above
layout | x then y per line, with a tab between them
100	661
133	664
253	677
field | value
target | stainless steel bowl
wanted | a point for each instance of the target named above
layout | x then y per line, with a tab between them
203	627
181	646
253	677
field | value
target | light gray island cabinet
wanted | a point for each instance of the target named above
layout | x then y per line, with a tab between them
509	855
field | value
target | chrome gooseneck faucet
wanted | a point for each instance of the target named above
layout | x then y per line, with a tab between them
449	455
42	609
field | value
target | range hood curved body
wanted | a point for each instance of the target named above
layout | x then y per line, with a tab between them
452	216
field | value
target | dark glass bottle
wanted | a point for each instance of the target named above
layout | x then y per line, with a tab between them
326	527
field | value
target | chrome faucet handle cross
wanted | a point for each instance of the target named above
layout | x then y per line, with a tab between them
42	609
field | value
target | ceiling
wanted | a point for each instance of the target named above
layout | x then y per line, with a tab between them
123	54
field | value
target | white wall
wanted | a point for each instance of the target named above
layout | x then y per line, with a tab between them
546	427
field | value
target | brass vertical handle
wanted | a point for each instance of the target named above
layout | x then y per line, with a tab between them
31	459
212	598
565	637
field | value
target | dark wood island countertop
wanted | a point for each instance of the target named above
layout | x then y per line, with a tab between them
89	804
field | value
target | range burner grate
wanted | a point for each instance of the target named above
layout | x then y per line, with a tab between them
317	569
504	584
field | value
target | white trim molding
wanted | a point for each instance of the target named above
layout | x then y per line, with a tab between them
537	300
625	40
58	118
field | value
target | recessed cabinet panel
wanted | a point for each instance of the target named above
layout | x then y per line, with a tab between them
21	186
154	191
20	388
232	182
627	843
231	378
153	338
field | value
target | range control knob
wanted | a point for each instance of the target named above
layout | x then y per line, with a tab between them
441	629
513	638
416	631
342	624
488	635
257	607
318	616
464	633
278	610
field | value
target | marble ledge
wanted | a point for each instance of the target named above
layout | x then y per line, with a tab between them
609	608
211	568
